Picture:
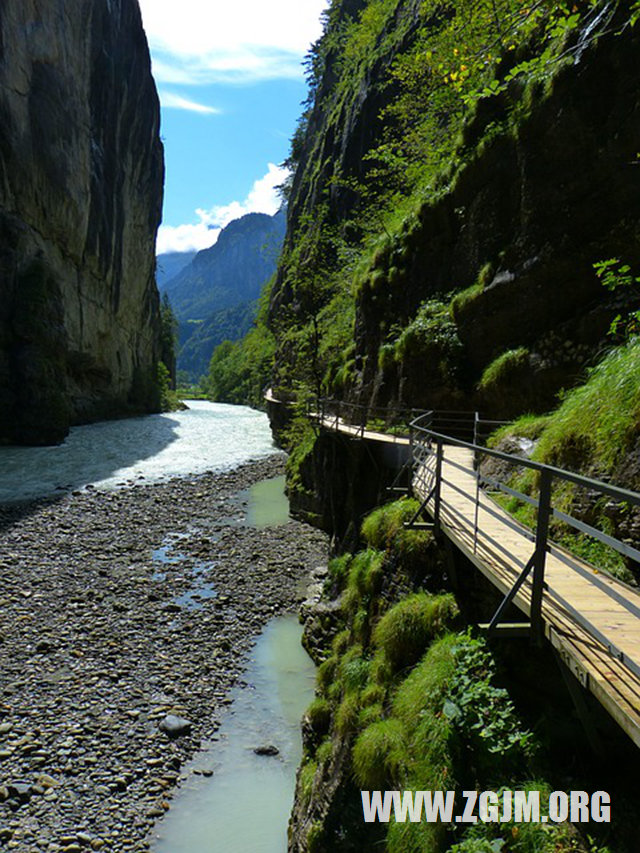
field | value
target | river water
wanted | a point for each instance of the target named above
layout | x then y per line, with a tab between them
208	436
243	802
244	806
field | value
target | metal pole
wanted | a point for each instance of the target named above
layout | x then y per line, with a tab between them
412	462
436	508
540	555
477	512
476	457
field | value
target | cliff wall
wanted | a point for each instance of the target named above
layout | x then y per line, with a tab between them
81	175
439	251
536	204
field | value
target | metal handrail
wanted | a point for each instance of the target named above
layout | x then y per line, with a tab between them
426	441
422	436
578	479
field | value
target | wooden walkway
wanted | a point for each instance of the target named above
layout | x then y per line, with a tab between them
601	647
500	552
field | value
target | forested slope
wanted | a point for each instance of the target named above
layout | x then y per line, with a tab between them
460	168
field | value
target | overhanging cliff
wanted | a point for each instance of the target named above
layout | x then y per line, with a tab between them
81	176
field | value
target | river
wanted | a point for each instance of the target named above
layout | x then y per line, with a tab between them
209	812
206	437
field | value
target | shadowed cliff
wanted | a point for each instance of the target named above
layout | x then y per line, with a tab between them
81	175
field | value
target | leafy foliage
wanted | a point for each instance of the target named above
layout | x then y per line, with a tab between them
616	276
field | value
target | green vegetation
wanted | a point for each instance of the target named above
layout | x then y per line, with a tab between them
431	338
239	370
412	704
168	399
509	366
616	276
592	432
453	80
384	529
405	632
596	423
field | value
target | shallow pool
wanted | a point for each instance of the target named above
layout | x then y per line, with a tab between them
244	806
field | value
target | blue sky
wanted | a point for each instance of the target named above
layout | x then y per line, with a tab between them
231	83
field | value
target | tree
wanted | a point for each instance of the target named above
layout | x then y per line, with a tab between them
168	338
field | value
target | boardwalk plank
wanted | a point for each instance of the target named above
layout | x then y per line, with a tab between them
588	591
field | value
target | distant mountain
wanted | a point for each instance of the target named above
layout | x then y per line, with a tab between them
228	324
212	296
169	264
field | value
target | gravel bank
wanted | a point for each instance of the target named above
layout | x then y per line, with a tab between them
101	640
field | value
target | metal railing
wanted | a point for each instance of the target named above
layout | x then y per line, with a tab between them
429	460
337	414
429	432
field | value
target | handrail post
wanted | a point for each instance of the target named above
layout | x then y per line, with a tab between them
412	460
476	468
438	483
540	557
476	430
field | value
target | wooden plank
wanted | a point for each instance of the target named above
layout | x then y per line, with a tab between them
615	686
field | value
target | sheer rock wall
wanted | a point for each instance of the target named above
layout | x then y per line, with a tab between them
81	175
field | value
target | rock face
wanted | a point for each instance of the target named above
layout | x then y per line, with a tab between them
81	174
491	275
524	221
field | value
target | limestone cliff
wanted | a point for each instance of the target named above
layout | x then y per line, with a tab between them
81	174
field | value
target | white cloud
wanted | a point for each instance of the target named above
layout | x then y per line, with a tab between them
200	41
173	101
263	198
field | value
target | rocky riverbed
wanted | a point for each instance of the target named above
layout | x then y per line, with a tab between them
118	611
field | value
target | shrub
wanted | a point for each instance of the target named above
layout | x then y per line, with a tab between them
326	672
432	334
483	713
384	529
305	780
506	368
370	714
346	720
354	671
341	642
339	570
319	715
463	300
324	751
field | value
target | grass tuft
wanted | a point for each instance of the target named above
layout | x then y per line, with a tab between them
378	755
405	631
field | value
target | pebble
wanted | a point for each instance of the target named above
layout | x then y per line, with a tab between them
93	662
267	749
